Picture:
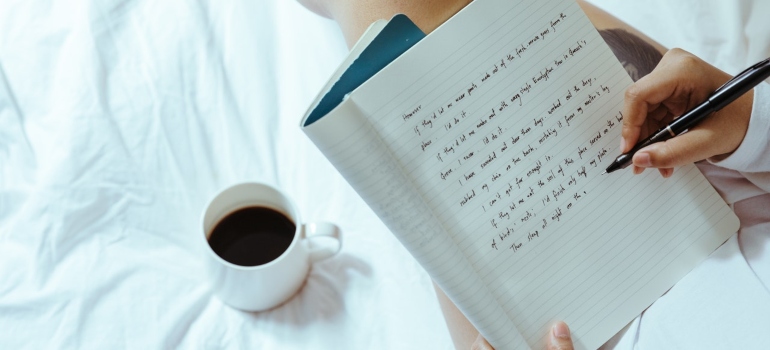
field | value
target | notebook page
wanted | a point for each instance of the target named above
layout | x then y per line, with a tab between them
350	143
504	119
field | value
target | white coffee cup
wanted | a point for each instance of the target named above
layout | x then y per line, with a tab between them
262	287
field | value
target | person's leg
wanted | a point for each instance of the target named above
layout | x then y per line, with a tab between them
638	54
354	16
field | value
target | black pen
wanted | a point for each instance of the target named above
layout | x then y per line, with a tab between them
723	96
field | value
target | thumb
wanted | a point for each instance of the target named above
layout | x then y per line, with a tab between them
560	337
684	149
721	134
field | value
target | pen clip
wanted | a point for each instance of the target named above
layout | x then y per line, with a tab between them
743	73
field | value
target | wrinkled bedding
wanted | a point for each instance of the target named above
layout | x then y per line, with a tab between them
119	120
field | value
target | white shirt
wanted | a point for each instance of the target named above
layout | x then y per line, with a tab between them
724	303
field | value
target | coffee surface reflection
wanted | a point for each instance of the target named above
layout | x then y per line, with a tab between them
252	236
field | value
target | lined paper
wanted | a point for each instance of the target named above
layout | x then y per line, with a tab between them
367	164
488	139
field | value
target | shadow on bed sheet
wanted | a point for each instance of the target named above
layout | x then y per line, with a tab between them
322	298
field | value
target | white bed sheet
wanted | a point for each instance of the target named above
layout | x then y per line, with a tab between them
119	120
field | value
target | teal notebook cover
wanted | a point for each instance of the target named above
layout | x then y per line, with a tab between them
397	37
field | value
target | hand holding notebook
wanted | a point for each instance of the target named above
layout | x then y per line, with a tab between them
481	148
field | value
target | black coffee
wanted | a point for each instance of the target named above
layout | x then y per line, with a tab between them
252	236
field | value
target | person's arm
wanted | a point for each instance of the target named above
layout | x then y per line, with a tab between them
638	54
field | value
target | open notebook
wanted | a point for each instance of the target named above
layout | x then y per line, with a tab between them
481	148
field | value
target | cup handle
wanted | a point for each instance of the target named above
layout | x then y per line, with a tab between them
321	229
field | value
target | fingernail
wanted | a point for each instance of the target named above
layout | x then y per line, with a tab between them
622	144
560	330
643	160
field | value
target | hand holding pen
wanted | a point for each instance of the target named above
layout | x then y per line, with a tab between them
678	87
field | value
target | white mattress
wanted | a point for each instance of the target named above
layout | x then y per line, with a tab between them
119	120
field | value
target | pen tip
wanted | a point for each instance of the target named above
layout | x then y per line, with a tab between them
604	172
